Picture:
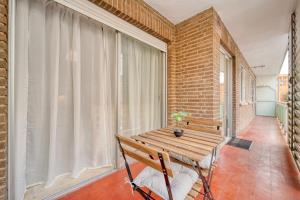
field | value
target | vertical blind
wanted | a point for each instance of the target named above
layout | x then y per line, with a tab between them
67	89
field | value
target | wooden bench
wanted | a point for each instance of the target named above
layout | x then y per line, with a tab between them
150	156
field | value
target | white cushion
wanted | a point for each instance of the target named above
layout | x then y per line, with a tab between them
204	163
181	183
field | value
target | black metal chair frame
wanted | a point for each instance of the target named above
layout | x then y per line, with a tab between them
206	181
145	195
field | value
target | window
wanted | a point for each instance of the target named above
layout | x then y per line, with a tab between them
243	85
253	89
247	87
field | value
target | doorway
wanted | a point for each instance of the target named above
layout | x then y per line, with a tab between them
226	92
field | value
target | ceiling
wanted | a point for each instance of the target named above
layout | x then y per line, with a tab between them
259	27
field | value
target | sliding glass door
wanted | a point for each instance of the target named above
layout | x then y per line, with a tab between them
71	96
64	93
226	92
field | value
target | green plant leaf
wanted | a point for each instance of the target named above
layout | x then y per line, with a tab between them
179	118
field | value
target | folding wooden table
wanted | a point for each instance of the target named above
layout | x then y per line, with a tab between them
193	145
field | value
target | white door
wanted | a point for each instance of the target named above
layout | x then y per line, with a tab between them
226	92
266	101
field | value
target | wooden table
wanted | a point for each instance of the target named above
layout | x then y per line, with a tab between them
194	145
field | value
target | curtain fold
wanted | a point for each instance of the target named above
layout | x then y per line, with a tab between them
141	90
64	94
75	58
20	99
53	61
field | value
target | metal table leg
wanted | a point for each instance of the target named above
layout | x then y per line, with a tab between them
206	181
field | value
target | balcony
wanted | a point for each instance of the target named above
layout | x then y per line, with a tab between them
76	76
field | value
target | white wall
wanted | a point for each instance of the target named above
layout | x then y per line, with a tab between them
267	81
266	95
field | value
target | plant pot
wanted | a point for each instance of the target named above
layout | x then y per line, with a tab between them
178	132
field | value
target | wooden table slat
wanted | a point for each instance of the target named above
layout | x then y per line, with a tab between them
207	144
181	140
206	135
177	143
198	133
182	152
217	135
200	137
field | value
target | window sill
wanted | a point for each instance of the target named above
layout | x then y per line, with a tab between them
244	103
66	183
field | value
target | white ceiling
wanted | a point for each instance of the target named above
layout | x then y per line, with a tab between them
259	27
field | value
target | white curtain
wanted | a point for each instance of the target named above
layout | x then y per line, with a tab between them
65	94
141	90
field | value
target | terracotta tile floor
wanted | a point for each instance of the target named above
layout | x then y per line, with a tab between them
265	172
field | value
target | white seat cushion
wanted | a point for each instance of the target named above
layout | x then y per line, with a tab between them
181	183
204	163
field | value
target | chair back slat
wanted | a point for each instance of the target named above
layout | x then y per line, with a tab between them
146	160
202	129
204	125
144	154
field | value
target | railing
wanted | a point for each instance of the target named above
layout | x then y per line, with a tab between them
282	115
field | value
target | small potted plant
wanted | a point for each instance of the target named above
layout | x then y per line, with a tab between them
178	116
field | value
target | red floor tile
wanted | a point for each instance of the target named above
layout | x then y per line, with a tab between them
265	172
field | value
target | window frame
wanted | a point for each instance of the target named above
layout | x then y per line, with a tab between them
247	87
242	85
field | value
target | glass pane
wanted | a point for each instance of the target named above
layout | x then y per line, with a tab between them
222	85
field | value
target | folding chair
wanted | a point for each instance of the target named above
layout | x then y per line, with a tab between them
205	126
202	124
166	179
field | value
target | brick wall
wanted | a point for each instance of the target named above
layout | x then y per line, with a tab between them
247	113
198	40
194	71
242	114
3	98
140	14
